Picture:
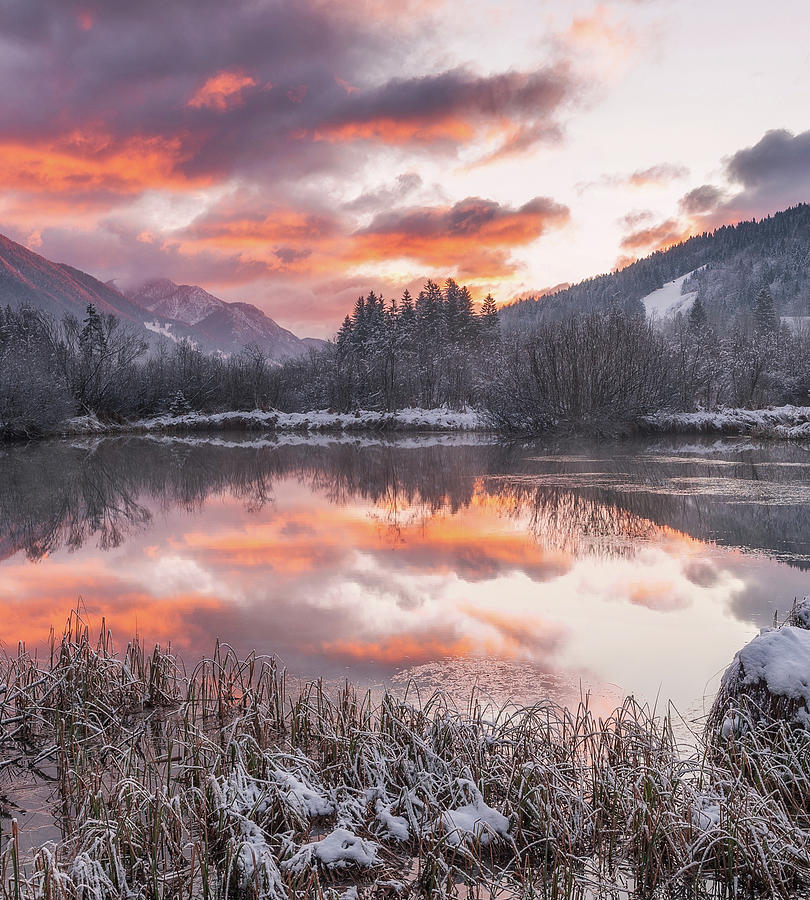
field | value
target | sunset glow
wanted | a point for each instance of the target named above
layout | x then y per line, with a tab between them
296	155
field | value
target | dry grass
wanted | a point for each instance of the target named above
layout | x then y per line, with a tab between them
216	783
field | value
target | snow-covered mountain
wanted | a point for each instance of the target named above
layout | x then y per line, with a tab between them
160	307
187	303
216	324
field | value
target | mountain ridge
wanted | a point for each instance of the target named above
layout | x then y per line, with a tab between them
727	267
159	307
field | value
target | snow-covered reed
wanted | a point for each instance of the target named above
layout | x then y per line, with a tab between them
217	782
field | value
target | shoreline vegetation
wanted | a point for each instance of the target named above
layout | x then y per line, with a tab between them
432	362
218	780
781	423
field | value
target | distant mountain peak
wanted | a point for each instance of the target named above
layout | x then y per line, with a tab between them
159	306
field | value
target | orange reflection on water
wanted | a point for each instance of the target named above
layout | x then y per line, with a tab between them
341	582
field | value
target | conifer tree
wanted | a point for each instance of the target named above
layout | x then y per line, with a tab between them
698	320
765	320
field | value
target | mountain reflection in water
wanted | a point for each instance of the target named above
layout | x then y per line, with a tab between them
527	569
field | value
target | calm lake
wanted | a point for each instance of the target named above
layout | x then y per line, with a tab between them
543	569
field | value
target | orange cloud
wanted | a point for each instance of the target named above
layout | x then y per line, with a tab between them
397	131
93	162
472	238
657	237
222	91
398	649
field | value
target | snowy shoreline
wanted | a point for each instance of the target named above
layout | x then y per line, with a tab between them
787	422
780	422
405	420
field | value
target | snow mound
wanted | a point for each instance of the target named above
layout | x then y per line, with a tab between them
668	301
337	850
780	658
773	670
475	822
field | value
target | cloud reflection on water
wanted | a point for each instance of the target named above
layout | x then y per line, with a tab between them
368	560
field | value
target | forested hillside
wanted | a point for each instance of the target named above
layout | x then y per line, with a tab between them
730	266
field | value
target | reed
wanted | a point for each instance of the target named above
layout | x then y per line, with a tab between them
217	782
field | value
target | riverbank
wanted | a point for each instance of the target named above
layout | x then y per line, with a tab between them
403	420
224	782
777	423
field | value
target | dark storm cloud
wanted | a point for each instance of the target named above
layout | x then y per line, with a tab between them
770	175
779	157
701	199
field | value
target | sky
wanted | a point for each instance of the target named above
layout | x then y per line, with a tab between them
297	154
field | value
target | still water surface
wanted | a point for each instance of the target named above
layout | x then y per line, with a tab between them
527	569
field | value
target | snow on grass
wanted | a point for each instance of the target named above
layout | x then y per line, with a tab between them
790	422
338	850
307	801
396	827
475	822
669	300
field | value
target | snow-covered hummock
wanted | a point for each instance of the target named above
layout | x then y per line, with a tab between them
779	659
338	850
668	300
474	823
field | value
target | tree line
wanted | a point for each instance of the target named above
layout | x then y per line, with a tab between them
602	369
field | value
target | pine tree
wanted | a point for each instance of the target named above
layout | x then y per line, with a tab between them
765	320
698	320
489	311
92	338
344	334
489	323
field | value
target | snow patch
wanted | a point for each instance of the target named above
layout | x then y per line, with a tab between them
668	301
